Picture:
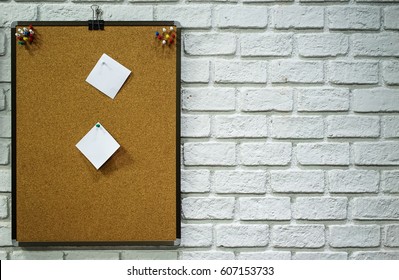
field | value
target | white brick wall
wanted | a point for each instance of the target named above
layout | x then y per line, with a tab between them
290	127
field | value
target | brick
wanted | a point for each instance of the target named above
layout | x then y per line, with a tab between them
390	72
135	1
196	236
196	181
292	181
298	236
189	16
199	208
320	208
323	99
375	256
241	17
5	180
267	99
149	255
380	153
5	96
4	154
354	18
3	102
209	255
239	181
111	12
91	255
375	208
127	12
5	234
195	126
376	100
353	126
299	17
265	1
390	181
382	44
3	207
2	43
353	181
391	14
377	1
266	45
36	255
3	255
390	126
354	236
195	71
323	153
320	256
242	235
210	154
5	68
392	236
297	127
296	71
264	256
215	44
342	72
265	153
324	1
276	208
26	12
240	72
240	126
208	99
5	126
322	45
62	12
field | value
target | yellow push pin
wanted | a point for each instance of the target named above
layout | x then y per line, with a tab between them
167	36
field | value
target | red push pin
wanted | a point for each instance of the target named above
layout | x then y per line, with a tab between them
171	41
160	37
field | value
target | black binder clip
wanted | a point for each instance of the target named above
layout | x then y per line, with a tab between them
96	23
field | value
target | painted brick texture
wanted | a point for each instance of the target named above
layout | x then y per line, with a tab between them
289	127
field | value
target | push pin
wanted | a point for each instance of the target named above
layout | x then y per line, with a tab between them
164	29
171	28
24	35
97	125
164	42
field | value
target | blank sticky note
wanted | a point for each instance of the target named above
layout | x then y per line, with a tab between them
98	145
108	76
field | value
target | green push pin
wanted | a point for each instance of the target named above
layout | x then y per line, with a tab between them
98	125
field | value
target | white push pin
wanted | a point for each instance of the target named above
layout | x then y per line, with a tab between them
20	30
163	42
164	29
171	28
17	34
25	29
31	31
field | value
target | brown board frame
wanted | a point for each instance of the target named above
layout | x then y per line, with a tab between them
58	198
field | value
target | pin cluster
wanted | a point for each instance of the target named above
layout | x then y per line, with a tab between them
167	37
25	35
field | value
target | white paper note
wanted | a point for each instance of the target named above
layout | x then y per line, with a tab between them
98	145
108	76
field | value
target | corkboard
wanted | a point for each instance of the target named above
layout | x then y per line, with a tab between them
58	195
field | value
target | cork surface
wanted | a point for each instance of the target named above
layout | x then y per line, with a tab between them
61	197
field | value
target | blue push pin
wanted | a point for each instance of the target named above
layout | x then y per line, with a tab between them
156	34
